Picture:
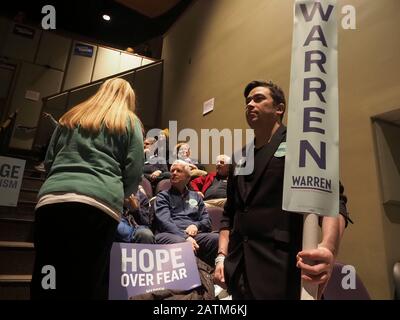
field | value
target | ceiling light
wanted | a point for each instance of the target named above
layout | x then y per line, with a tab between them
106	17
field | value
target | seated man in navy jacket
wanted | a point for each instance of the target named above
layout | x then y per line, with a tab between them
182	216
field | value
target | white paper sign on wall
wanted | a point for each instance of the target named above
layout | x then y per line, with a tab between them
32	95
11	174
208	106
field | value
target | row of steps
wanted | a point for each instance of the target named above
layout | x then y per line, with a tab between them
17	256
16	238
16	269
16	229
15	287
24	210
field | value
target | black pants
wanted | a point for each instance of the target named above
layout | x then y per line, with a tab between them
76	240
238	286
208	243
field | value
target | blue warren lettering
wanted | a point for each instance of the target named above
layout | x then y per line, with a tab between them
309	182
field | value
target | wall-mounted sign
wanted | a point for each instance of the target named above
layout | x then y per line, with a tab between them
32	95
11	173
24	31
208	106
83	50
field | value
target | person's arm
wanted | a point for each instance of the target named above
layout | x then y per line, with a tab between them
197	184
51	149
222	253
317	264
165	175
332	232
155	175
226	225
132	166
143	210
163	215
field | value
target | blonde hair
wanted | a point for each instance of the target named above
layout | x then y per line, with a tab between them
166	132
111	105
180	145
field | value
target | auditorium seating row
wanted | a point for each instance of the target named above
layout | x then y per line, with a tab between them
215	213
161	186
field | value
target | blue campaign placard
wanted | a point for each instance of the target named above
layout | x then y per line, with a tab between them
142	268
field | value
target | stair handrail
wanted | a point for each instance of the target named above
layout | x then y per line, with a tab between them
117	75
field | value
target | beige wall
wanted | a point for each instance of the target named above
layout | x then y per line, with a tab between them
218	46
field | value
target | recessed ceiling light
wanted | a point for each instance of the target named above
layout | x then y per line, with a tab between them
106	17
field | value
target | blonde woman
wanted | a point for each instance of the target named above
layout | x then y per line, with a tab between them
94	161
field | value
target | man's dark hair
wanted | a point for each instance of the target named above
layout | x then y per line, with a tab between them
276	92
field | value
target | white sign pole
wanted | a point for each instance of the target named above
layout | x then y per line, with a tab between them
310	241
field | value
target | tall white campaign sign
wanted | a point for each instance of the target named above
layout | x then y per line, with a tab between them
311	182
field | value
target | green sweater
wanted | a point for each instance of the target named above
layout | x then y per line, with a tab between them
106	167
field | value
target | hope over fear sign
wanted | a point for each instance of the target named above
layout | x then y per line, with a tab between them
143	268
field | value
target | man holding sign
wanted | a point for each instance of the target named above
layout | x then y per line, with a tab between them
259	243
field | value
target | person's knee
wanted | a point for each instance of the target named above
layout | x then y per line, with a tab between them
144	235
213	238
168	238
124	232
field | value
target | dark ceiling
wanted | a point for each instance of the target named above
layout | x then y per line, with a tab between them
83	18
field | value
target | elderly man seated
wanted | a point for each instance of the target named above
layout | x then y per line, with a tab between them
182	216
212	187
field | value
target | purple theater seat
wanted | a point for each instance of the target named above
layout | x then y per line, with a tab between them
215	214
163	185
147	187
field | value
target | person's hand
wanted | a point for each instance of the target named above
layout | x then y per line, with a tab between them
147	153
219	277
192	230
200	194
195	246
155	175
316	266
133	201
